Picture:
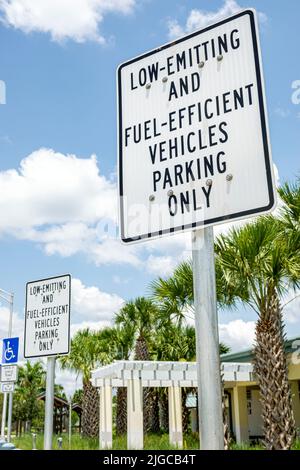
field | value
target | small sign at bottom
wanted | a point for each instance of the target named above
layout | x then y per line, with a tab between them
7	387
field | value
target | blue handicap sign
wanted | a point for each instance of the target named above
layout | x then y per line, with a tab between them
10	350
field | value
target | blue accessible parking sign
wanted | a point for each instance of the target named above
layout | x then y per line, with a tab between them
10	350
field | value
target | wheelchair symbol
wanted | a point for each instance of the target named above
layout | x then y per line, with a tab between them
9	353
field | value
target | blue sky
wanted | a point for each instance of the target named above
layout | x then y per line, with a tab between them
59	70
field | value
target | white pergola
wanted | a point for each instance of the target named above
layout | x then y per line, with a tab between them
138	374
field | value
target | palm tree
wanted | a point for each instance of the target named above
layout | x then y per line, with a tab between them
119	343
140	315
86	354
257	265
174	342
31	382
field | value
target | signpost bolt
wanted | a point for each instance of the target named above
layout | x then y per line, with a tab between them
170	193
229	177
148	86
208	182
201	64
165	79
220	58
151	198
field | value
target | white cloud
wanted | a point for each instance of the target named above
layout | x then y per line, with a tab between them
52	188
78	20
92	303
198	19
69	380
92	325
161	265
18	323
238	334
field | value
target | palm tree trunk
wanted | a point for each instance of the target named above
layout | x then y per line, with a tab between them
164	409
271	370
185	410
90	412
121	424
155	425
142	354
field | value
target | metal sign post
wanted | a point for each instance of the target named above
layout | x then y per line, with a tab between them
207	341
48	432
47	332
70	423
194	152
4	410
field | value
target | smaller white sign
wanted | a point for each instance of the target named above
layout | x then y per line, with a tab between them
7	387
9	373
47	317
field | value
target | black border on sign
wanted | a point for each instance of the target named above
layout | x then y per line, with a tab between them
227	218
69	323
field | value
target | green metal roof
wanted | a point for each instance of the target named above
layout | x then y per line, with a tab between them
247	356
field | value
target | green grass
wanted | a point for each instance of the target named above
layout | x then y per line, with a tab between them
151	442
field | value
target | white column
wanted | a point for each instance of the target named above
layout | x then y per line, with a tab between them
175	417
135	428
240	414
105	421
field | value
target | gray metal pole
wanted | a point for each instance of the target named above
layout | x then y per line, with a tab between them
11	395
11	311
70	424
10	410
207	337
48	426
3	422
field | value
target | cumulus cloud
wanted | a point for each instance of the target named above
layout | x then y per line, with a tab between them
66	206
238	334
78	20
198	19
52	188
92	303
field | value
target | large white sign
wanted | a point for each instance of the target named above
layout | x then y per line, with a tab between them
9	373
47	317
193	134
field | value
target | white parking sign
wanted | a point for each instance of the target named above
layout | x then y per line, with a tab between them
193	135
9	373
47	317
